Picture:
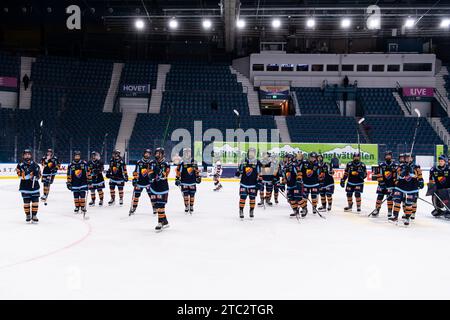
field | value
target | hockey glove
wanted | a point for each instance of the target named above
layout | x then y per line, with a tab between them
237	174
421	184
134	182
342	183
69	186
177	182
198	180
282	187
108	174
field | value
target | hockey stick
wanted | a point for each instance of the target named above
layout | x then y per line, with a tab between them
40	136
375	210
314	208
104	144
441	202
357	133
415	130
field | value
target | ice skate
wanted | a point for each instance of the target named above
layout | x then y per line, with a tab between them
186	209
44	198
348	208
241	214
405	220
191	209
358	210
100	203
269	203
252	213
375	212
111	202
92	203
28	218
322	208
161	226
34	219
329	207
76	210
132	211
121	202
304	212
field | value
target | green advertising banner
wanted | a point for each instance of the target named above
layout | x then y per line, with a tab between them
439	150
231	153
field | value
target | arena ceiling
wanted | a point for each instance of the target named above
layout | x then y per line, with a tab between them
120	15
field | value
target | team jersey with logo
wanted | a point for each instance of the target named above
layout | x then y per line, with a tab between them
310	174
117	170
387	173
439	176
408	177
141	172
159	171
355	172
249	172
29	174
50	166
78	174
187	172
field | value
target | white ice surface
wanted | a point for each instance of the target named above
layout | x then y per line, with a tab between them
214	255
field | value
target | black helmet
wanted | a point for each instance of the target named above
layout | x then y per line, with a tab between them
388	153
50	150
161	152
147	151
313	155
27	151
77	153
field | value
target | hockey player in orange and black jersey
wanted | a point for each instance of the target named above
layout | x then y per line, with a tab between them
159	172
96	168
50	165
118	175
268	174
187	178
277	181
355	172
141	179
439	179
440	174
293	182
310	172
78	180
385	173
29	174
250	173
326	180
408	181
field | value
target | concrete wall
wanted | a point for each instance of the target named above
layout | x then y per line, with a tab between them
8	99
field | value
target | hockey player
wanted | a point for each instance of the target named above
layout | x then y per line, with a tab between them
187	178
326	180
439	175
355	172
217	173
78	179
50	165
250	173
277	183
29	174
141	179
118	175
268	177
294	185
159	172
384	173
310	173
439	178
407	184
96	168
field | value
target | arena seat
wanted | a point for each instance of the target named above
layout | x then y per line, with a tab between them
396	133
332	129
139	72
68	94
143	138
193	88
9	67
378	101
313	101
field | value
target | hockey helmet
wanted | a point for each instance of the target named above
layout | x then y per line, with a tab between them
76	153
251	153
159	153
49	150
145	152
27	154
313	155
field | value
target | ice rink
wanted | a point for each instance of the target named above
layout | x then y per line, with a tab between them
214	255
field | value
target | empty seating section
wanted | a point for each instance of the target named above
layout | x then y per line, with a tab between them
378	101
149	128
9	67
447	82
326	129
199	103
193	88
68	95
397	134
313	101
139	72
